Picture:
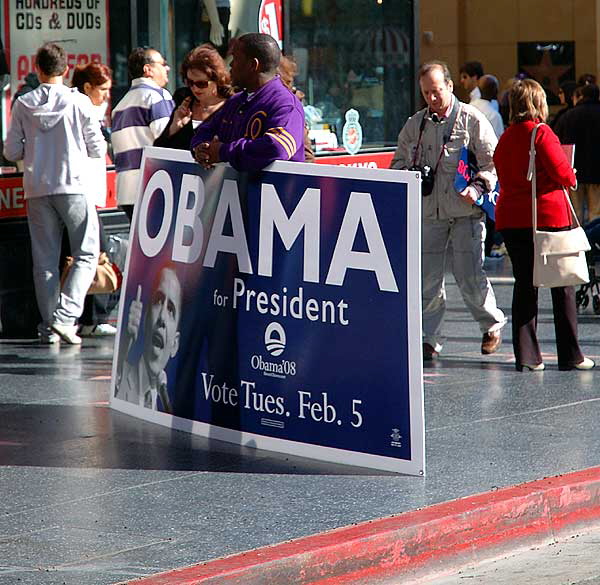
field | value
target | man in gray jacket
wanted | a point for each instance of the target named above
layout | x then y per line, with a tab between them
434	138
54	130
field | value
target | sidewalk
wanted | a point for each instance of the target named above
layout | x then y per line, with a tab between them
92	496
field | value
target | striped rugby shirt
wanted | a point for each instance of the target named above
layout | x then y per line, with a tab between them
138	119
257	129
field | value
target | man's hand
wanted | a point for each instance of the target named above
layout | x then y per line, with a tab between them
135	315
216	34
207	153
470	194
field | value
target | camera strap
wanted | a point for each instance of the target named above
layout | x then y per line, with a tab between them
447	135
421	128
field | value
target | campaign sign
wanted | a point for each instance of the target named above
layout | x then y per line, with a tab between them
466	171
280	309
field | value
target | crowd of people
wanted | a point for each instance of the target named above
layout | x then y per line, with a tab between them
59	134
432	141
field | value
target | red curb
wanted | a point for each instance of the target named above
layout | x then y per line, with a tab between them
410	543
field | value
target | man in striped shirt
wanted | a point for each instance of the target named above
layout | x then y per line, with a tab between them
259	125
139	118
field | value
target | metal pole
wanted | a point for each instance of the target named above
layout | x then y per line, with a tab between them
134	23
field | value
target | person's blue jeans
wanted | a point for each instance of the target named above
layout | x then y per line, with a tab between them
47	217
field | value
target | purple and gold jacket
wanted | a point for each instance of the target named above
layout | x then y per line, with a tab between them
257	130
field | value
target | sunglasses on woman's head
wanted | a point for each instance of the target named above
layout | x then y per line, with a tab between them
198	84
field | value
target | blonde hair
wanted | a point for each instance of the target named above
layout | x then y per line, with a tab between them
527	100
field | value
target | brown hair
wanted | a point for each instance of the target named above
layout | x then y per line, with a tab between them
287	71
139	57
206	58
93	73
51	59
527	100
431	66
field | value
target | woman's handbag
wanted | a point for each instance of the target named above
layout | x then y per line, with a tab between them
108	277
559	257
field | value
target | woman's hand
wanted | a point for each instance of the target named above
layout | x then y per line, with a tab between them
183	114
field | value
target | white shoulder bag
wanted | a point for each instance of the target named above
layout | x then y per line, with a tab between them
559	257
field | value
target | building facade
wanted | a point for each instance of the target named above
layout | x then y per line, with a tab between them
550	40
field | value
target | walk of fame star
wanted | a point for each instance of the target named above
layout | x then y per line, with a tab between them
546	73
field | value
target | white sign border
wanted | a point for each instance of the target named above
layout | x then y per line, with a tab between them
414	466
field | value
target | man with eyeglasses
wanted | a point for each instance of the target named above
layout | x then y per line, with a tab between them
138	119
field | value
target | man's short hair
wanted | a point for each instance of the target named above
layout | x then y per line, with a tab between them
588	92
431	66
51	59
472	68
264	48
586	78
156	280
488	86
139	57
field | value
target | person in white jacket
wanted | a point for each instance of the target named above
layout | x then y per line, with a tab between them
53	130
95	80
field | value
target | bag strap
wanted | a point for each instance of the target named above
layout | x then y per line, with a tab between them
531	176
447	134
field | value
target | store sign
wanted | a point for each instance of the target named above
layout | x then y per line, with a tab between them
371	160
279	310
79	26
270	21
12	197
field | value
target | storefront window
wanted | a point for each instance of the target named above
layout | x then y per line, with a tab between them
351	54
354	54
120	43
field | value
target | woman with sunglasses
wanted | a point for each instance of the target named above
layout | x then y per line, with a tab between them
207	87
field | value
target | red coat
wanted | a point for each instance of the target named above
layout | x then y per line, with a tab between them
513	209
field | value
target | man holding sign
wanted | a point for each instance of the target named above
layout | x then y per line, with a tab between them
143	380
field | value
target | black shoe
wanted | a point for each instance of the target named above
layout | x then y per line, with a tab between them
429	353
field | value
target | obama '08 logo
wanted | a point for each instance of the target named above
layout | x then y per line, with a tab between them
275	339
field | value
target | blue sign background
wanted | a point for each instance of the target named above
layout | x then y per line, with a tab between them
359	369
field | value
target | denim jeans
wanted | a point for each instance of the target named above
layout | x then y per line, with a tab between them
47	217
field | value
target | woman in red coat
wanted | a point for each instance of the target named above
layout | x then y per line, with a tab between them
513	218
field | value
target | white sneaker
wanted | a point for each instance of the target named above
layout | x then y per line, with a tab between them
46	335
101	330
68	333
